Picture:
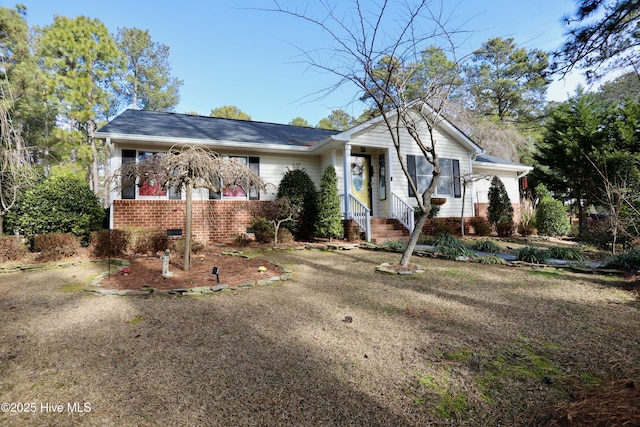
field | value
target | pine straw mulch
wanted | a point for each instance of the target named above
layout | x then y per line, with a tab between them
615	404
339	345
233	270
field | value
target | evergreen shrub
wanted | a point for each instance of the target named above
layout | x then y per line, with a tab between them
298	186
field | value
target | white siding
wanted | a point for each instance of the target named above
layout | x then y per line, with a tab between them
509	179
397	182
272	168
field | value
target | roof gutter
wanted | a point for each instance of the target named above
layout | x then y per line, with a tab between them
208	142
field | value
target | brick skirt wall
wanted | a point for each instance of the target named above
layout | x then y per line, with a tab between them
482	209
213	220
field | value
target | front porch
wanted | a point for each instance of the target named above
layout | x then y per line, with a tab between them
356	215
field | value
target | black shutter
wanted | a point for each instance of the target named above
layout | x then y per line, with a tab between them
254	165
411	166
128	184
457	191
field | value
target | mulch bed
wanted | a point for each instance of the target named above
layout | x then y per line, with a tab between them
233	270
615	404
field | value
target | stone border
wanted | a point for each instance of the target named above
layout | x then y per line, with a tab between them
148	291
384	268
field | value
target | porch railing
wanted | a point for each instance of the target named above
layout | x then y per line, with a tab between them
403	212
359	213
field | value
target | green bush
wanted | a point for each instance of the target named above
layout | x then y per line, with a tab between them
481	225
109	242
532	255
394	245
12	248
450	247
571	254
298	186
486	245
504	229
443	239
500	209
263	230
63	204
551	216
329	223
491	260
627	261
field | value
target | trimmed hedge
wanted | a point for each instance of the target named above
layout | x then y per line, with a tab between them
12	248
56	245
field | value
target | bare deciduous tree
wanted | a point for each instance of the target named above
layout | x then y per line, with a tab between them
189	167
16	173
380	52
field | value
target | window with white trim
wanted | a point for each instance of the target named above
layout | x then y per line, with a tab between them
145	188
233	190
421	172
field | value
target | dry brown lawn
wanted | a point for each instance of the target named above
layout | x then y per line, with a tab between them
339	345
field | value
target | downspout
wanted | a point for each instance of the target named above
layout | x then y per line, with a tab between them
473	185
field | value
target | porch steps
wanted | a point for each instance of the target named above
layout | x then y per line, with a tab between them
387	229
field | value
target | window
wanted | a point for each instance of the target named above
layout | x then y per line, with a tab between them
149	187
146	188
421	172
234	190
128	184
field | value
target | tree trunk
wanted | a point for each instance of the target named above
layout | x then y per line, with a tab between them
464	193
413	240
95	181
187	227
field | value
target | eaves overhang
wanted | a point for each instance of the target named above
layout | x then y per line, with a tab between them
211	143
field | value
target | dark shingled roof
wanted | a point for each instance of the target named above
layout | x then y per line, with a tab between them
487	158
173	125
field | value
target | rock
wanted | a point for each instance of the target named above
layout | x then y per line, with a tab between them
202	290
218	288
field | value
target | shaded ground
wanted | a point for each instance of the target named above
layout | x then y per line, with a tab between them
460	344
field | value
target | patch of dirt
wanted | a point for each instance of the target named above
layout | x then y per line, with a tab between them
233	270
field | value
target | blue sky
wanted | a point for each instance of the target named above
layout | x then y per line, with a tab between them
229	53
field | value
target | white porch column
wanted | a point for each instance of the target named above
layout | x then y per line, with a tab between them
346	172
390	152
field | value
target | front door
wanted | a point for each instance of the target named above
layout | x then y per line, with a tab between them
361	179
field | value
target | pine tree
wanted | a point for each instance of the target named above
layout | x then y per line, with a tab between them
500	208
329	216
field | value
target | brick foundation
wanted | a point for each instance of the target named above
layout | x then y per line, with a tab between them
213	220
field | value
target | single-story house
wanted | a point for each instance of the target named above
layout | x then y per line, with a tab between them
373	189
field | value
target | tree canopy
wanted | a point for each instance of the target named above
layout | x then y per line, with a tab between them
147	83
229	112
507	82
602	35
337	120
